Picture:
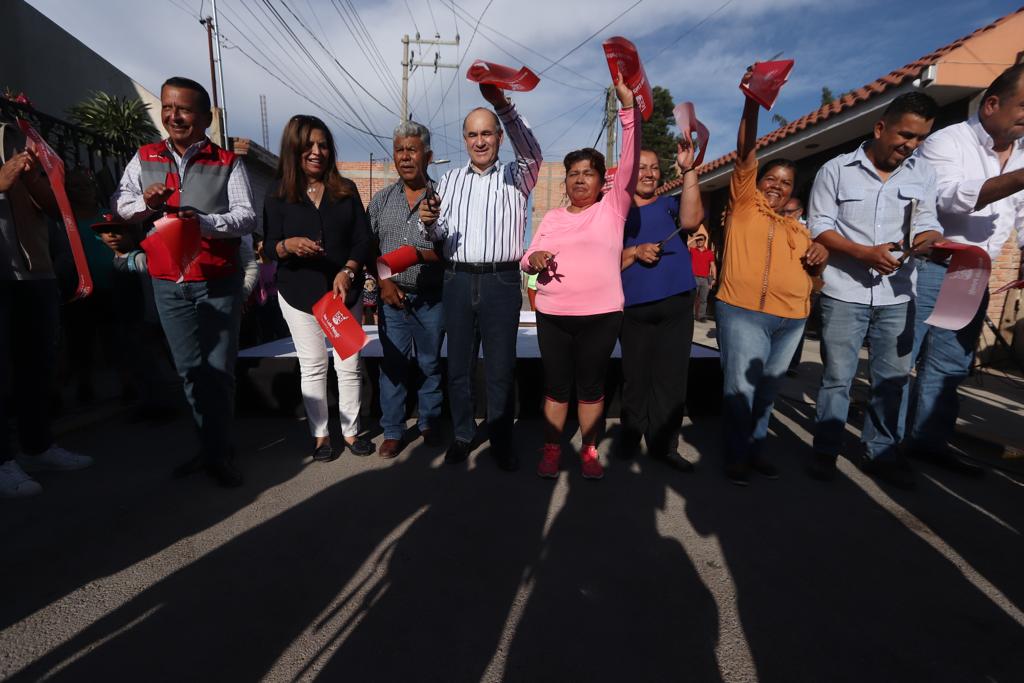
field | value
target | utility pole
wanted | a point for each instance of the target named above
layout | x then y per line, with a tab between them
611	108
407	62
220	74
263	121
208	23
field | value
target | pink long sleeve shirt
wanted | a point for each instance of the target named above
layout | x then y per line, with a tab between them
584	278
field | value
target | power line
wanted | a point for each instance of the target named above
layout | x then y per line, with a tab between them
691	29
369	49
587	39
464	53
302	47
454	4
335	59
570	127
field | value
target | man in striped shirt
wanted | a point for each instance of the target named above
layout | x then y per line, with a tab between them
479	217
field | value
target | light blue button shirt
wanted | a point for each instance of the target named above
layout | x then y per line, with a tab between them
849	197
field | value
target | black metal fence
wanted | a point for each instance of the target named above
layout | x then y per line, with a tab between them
77	146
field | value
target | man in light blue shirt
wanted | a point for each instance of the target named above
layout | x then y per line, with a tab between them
871	208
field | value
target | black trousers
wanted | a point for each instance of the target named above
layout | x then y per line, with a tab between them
656	340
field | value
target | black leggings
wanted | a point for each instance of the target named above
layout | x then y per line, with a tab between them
576	347
656	339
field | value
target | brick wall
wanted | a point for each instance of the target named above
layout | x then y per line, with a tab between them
1004	309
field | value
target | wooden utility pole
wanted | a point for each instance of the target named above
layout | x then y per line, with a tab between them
611	108
408	62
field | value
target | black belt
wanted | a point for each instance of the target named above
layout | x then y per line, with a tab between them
481	268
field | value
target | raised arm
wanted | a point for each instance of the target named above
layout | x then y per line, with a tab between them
621	194
524	144
691	209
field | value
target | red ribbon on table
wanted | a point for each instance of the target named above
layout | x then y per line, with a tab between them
766	81
342	329
963	286
53	165
686	119
504	77
623	58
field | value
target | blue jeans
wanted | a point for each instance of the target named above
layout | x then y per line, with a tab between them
420	323
482	309
943	360
890	330
28	352
756	349
200	320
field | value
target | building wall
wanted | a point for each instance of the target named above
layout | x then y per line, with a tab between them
64	73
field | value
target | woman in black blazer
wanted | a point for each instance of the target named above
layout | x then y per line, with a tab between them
318	232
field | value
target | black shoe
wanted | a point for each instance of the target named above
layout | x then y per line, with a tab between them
457	452
507	460
430	437
792	373
738	473
764	467
674	460
224	472
821	467
325	453
947	460
361	447
889	470
189	467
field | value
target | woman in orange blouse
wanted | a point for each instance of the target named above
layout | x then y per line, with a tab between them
763	299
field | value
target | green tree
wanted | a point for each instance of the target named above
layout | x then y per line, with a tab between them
121	122
826	95
780	119
656	132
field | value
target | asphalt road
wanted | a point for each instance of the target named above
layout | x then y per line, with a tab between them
411	570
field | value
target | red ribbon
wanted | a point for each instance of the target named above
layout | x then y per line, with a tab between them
504	77
766	81
623	58
342	329
53	165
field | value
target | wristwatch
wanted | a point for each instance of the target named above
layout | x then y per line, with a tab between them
351	273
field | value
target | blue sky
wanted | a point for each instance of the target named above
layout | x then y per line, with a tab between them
841	44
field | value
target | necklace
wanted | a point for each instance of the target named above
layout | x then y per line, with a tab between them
313	187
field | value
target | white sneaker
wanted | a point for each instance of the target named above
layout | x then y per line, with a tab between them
14	483
56	459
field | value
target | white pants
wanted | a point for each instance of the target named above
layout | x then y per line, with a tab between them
311	348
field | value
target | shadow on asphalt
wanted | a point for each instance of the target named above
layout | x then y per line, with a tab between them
410	572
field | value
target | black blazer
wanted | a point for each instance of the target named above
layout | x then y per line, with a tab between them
344	231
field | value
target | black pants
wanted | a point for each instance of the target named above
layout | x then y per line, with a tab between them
656	340
576	348
28	349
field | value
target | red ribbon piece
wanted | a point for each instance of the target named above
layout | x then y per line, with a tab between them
1016	284
766	81
963	286
686	119
609	179
342	329
623	58
504	77
181	237
53	165
397	261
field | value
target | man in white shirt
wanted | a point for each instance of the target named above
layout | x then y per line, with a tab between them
478	215
979	165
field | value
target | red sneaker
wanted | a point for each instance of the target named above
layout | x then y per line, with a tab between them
548	465
592	468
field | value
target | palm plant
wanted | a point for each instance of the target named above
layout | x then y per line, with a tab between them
121	122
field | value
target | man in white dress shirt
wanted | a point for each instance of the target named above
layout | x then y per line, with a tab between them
479	217
979	165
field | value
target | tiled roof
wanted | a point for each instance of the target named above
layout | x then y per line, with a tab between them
846	102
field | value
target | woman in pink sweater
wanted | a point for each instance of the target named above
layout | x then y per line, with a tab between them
577	253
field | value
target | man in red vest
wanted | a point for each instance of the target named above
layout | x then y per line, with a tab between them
199	302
